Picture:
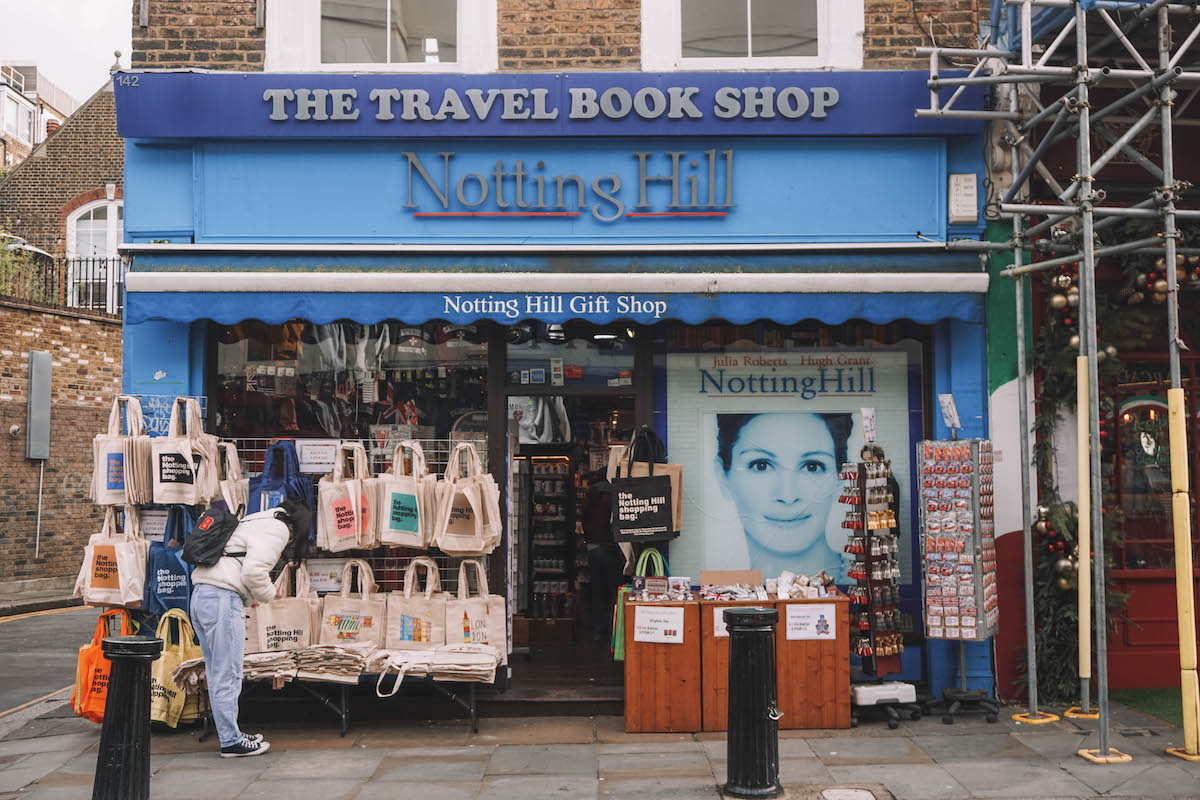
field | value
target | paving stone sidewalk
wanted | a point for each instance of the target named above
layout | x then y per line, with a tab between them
565	758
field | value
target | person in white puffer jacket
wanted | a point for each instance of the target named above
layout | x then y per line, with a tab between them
241	578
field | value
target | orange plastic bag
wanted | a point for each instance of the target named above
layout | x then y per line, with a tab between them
91	675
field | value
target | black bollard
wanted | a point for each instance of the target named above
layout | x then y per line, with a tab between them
123	763
753	738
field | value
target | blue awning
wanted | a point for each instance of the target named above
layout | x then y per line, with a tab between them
601	308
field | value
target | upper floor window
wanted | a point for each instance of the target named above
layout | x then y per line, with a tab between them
18	119
751	34
388	32
382	36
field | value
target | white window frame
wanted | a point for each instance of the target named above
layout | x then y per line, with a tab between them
25	136
113	288
839	41
293	41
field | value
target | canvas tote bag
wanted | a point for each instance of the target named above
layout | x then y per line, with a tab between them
469	513
286	622
235	490
92	669
417	621
113	572
646	456
184	459
345	618
339	509
404	516
110	470
360	468
481	619
167	699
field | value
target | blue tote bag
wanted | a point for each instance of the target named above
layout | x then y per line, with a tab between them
281	477
168	577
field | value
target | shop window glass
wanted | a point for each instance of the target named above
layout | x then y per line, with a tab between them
345	380
388	31
591	355
753	29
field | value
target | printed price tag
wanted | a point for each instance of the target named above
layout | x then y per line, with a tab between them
811	621
661	624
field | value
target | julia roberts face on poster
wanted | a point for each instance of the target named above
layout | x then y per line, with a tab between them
780	471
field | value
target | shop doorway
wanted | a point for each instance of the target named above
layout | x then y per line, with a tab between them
566	566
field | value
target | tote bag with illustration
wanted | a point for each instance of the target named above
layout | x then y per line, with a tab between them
417	621
481	619
359	466
167	699
404	500
110	471
92	669
345	618
113	572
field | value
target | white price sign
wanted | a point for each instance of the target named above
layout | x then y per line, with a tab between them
811	621
325	574
154	525
317	455
720	630
661	624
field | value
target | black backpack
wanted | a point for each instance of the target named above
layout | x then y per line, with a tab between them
206	544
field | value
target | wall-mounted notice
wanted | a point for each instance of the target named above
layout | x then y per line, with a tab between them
661	624
154	524
811	621
317	455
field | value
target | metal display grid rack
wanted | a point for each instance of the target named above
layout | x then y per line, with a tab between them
388	563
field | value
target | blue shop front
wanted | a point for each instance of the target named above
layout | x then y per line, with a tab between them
757	266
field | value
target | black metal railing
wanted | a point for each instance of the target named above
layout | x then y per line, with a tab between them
92	285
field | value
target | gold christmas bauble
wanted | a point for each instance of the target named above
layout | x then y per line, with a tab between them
1040	526
1062	566
1194	260
1074	340
1062	281
1140	279
1180	259
1180	274
1064	584
1059	301
1160	263
1161	285
1111	350
1136	297
1073	300
1100	356
1160	297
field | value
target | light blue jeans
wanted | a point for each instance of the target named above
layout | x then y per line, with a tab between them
220	622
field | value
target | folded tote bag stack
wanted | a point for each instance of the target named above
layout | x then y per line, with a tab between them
113	572
407	500
417	621
346	619
121	462
469	521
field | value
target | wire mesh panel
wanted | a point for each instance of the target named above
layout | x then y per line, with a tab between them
388	563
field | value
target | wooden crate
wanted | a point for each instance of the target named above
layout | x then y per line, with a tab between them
714	662
662	681
814	675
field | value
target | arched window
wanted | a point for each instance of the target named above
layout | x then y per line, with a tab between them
95	272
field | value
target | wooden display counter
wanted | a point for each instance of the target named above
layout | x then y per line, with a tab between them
662	680
812	659
714	660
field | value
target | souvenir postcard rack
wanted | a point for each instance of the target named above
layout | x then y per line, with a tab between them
958	538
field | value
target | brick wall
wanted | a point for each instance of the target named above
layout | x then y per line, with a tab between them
85	375
536	35
893	29
213	34
77	159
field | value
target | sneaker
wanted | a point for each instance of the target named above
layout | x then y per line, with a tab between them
254	737
245	748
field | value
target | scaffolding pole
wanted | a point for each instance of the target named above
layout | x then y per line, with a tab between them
1076	215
